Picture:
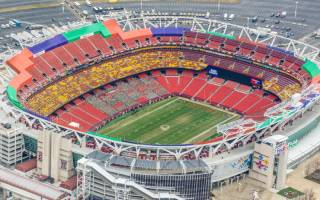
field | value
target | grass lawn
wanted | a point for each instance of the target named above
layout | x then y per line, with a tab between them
171	121
290	193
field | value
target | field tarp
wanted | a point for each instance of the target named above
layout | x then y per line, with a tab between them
49	44
96	28
169	31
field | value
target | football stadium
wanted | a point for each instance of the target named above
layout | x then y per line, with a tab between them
160	107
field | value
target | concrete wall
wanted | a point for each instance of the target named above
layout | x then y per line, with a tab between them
56	156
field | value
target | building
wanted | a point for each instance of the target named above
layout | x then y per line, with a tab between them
16	186
54	156
11	145
107	176
269	164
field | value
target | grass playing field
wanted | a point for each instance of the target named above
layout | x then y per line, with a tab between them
171	121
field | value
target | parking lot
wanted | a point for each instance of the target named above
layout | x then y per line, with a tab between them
264	12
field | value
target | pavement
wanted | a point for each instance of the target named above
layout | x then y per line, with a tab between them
244	189
296	178
307	10
15	3
42	16
311	39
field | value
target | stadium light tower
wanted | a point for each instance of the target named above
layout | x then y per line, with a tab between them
295	11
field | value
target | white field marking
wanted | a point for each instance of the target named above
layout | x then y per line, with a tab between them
164	127
209	129
141	116
210	106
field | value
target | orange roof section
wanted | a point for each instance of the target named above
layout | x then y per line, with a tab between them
20	80
20	63
316	79
136	34
114	28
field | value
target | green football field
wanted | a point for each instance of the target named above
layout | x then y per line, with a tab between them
171	121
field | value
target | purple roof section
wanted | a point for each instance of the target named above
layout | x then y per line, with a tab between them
169	31
49	44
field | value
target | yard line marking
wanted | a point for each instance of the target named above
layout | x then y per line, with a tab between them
137	118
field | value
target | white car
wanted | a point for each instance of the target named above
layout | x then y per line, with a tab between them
207	15
88	3
77	3
11	23
225	16
95	9
5	25
85	12
231	17
283	13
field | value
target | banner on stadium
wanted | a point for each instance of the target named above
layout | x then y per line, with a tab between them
233	76
255	82
212	71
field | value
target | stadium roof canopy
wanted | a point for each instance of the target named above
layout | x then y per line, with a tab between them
138	164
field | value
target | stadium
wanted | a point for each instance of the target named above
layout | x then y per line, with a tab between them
165	109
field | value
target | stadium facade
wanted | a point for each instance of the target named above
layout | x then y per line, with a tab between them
56	84
109	179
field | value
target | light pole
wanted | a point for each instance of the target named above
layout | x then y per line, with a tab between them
219	2
62	4
141	5
295	11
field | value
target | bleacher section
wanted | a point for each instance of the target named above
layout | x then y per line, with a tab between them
62	69
70	87
109	102
227	94
112	100
100	74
